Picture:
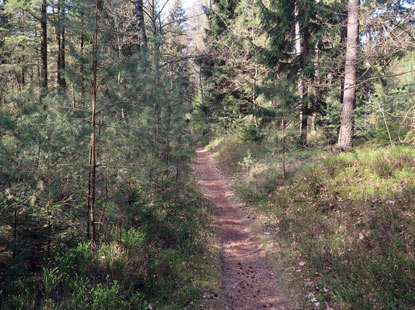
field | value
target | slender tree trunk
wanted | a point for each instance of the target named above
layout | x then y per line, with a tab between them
346	119
23	73
88	197
313	130
49	229
58	62
39	76
142	38
62	82
368	65
343	39
81	66
298	45
284	171
304	107
15	232
92	156
44	52
301	87
202	98
57	36
60	42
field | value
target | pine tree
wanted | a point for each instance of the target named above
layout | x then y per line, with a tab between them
349	101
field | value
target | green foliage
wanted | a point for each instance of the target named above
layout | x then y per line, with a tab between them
247	161
249	132
133	238
350	218
149	223
386	118
157	262
343	222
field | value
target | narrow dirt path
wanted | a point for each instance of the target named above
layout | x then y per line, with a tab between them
248	280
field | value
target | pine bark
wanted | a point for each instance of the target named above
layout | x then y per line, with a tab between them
142	37
304	107
81	65
343	39
301	48
350	69
92	154
44	51
316	87
61	41
62	59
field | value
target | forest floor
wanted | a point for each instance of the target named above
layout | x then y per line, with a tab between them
249	283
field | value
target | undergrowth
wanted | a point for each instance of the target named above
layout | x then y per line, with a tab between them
159	262
350	218
344	223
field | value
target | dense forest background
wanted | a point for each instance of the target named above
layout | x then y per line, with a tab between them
98	204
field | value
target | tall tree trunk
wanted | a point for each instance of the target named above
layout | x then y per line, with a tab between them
343	39
142	38
304	107
316	87
44	52
81	66
202	96
301	87
38	70
23	73
350	68
368	66
58	18
313	130
57	36
15	232
92	155
61	58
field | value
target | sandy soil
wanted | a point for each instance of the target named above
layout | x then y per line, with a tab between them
249	282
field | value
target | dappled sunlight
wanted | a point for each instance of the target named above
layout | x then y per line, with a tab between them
249	282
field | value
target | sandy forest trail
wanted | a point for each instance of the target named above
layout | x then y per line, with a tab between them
249	283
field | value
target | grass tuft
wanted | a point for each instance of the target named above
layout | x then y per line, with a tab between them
341	225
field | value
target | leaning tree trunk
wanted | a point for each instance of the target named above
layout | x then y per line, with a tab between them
142	38
350	68
44	52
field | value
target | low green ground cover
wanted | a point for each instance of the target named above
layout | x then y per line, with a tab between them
345	223
164	260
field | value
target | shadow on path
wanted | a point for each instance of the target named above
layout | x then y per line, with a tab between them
248	280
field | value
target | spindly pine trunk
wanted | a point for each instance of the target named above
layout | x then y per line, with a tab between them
142	38
304	106
61	58
92	154
81	66
301	48
44	52
350	68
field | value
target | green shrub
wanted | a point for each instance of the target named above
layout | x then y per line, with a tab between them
393	131
107	297
249	132
351	222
